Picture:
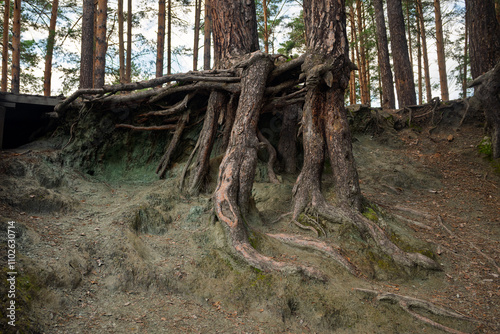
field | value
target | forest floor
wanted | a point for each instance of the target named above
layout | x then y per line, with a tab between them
100	256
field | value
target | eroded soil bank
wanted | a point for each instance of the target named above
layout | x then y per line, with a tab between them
105	247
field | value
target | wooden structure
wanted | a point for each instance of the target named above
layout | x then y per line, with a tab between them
23	117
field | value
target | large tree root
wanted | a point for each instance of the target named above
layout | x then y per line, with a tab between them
407	303
165	160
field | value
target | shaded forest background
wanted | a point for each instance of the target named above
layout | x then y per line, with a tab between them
139	40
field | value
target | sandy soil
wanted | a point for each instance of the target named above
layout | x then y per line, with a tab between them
96	256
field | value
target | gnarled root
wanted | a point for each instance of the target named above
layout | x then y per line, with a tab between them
407	303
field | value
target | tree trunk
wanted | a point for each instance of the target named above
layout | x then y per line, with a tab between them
121	42
169	38
266	32
419	67
403	72
87	60
128	65
427	76
465	59
363	82
5	41
197	13
101	45
16	48
408	27
355	57
389	100
50	49
443	77
160	41
207	38
484	30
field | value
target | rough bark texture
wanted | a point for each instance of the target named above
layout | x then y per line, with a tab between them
443	77
403	72
234	30
389	100
16	48
5	41
484	32
87	61
488	93
121	42
128	65
160	39
50	49
207	29
427	76
101	44
197	13
169	37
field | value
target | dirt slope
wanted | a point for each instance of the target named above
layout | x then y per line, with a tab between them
99	255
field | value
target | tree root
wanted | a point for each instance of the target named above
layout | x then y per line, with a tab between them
165	160
332	251
477	249
407	303
272	157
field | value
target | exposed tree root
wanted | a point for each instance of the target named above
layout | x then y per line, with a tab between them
407	303
477	249
165	160
332	251
272	157
147	128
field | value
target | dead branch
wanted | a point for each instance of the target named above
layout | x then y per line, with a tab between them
287	67
146	128
181	106
166	91
407	303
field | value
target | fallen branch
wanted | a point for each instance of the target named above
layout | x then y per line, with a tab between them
165	160
407	303
146	128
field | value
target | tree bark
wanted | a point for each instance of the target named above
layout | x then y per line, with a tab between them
207	29
101	44
50	49
266	32
427	76
169	37
363	71
5	41
160	41
128	65
87	58
389	100
197	13
484	30
121	42
16	48
443	77
403	72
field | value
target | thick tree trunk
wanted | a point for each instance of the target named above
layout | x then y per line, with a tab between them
128	65
5	41
488	93
363	72
419	67
465	58
16	48
443	77
160	40
389	100
121	42
50	49
87	60
207	30
101	44
484	30
403	72
427	76
197	13
266	32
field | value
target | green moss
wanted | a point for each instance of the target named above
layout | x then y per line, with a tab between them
371	214
398	241
485	148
